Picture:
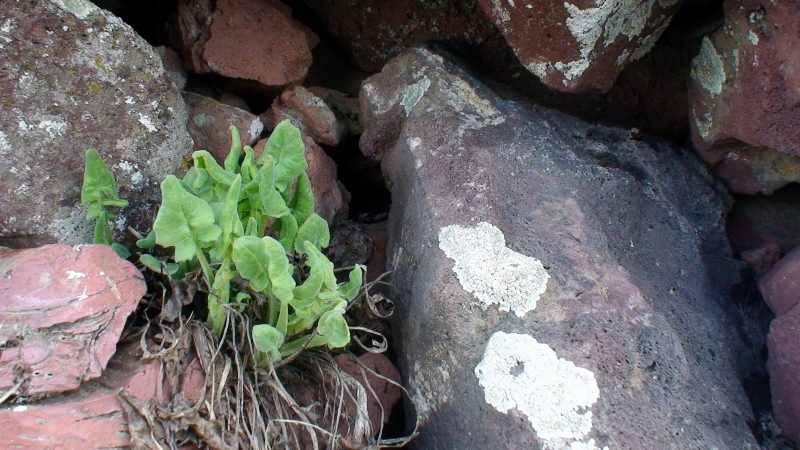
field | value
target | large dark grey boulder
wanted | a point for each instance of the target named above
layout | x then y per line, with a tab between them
74	77
559	284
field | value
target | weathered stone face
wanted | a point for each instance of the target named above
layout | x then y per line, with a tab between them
210	121
74	77
745	97
583	45
632	317
251	40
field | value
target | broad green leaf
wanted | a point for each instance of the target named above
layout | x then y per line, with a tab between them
99	185
300	342
249	168
220	295
318	262
333	326
151	262
303	200
287	231
280	270
148	243
251	260
252	228
121	250
268	339
204	160
183	221
350	289
198	182
314	230
102	231
262	192
229	221
320	269
232	160
286	146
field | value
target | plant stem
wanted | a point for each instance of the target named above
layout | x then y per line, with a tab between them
206	268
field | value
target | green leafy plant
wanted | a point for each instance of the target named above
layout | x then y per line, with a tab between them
250	226
100	191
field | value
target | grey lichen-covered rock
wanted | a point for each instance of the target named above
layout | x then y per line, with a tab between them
75	77
558	284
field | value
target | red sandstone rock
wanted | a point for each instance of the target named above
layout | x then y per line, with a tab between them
378	233
210	121
346	109
579	46
309	113
253	40
62	313
781	285
387	394
783	366
745	98
330	197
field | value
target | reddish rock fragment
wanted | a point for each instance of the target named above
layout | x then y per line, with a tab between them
579	46
210	121
762	259
781	285
783	366
386	394
745	98
62	313
311	114
245	39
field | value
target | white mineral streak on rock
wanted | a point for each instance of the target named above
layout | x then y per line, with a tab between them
491	271
518	372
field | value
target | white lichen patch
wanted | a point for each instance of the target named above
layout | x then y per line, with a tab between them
7	27
144	120
79	8
752	37
72	275
708	68
518	372
413	94
5	145
491	271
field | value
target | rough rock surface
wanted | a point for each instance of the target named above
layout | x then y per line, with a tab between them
372	31
633	343
745	97
781	285
92	417
210	121
107	91
308	112
575	47
331	198
783	366
173	65
255	40
62	313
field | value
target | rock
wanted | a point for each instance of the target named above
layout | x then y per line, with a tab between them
584	46
311	114
386	394
92	417
210	121
349	245
330	197
372	31
251	40
346	109
781	285
376	264
231	99
783	365
63	312
762	259
756	221
602	336
173	65
108	91
745	101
